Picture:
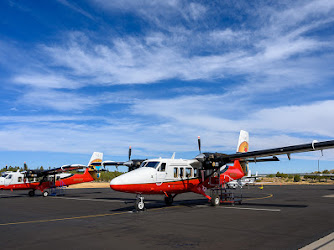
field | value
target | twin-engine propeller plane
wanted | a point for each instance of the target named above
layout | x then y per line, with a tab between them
207	171
45	179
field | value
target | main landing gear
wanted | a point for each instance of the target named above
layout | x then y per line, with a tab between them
169	199
31	193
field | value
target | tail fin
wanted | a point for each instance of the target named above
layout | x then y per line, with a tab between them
243	142
243	147
94	166
96	157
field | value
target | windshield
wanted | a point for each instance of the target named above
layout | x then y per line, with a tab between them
152	164
143	164
4	175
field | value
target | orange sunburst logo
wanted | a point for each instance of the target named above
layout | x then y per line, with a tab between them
243	148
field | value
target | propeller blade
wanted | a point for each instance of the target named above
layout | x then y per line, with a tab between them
199	144
129	153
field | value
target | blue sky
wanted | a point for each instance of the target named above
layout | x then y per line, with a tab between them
93	75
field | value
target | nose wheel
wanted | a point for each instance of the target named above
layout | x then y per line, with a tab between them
140	205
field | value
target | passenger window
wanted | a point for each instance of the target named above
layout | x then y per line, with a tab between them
58	178
162	167
181	172
176	172
195	172
189	172
19	179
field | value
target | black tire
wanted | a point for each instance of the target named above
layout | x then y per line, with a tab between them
139	205
45	193
31	193
215	201
169	200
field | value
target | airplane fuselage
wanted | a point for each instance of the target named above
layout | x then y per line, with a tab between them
172	176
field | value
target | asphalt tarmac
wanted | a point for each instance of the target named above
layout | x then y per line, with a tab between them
277	217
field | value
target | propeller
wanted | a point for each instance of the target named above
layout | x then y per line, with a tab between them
199	144
129	153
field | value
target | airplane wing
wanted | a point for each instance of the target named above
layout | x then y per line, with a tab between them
113	163
255	156
64	168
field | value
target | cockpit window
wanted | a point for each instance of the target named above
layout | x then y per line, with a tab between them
143	164
152	164
4	175
9	177
224	170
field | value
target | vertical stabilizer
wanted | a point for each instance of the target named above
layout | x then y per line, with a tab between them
243	142
94	165
96	157
243	146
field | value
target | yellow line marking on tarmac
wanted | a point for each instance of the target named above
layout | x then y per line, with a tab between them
261	198
76	217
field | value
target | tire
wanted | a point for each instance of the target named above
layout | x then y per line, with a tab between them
31	193
45	193
169	200
139	205
215	201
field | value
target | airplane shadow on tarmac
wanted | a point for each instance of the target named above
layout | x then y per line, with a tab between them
12	196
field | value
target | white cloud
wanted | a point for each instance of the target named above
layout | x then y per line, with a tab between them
46	81
58	100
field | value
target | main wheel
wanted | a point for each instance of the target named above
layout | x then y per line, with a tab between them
31	193
215	201
139	205
169	200
45	193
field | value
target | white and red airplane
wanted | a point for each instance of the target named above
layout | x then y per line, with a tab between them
45	179
207	171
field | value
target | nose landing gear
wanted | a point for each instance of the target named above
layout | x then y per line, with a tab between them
139	204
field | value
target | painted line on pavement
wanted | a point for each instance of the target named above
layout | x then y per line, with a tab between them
255	209
324	243
80	199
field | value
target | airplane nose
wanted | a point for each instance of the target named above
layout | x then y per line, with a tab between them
132	181
117	183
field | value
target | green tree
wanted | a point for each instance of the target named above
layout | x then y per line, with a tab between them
296	178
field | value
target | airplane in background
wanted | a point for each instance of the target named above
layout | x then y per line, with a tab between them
171	177
246	180
45	179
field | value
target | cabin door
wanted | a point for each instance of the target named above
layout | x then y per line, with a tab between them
8	179
161	174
